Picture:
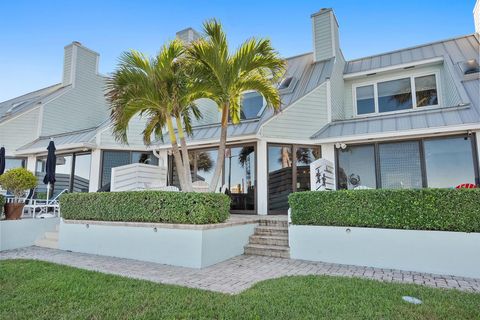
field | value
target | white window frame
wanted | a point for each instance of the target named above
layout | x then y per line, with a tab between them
414	93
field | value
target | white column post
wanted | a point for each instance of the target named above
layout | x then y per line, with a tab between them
262	178
328	152
95	170
31	163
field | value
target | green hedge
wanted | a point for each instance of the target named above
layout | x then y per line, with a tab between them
2	202
147	206
418	209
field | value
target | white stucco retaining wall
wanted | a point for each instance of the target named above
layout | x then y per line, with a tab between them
448	253
16	234
194	247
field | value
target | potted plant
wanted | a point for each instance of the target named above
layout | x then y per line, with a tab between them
17	181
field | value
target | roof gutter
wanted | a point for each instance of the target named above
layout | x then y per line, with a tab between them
62	147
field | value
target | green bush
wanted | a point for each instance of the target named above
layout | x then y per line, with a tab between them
147	206
417	209
2	202
17	181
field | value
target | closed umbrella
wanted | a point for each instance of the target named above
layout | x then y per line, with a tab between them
2	160
50	166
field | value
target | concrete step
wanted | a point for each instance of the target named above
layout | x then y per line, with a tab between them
269	240
47	243
271	231
51	235
267	250
274	223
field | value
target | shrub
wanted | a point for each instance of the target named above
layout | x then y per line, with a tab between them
17	181
147	206
418	209
2	202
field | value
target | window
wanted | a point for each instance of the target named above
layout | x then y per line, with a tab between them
449	162
285	83
252	105
356	167
426	91
288	171
240	177
12	163
239	173
434	162
72	173
400	166
365	100
396	95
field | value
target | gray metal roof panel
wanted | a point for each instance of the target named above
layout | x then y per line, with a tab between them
78	137
28	101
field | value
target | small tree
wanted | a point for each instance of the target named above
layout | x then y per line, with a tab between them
17	181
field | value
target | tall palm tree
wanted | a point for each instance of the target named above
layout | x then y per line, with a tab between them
157	89
223	77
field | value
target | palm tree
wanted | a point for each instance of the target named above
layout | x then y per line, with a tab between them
223	77
157	89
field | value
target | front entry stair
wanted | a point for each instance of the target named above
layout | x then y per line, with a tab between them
270	239
50	240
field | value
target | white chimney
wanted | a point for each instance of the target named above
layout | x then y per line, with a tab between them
476	16
188	35
78	62
325	34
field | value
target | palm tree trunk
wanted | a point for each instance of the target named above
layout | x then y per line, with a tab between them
176	154
185	157
221	149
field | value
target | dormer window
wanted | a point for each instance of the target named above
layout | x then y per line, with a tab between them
396	95
285	83
470	67
252	105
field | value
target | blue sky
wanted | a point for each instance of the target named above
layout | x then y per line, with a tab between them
33	33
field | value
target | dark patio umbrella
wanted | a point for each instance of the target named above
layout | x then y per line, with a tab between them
50	166
2	160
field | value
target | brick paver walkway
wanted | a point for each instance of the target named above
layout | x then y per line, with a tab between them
234	275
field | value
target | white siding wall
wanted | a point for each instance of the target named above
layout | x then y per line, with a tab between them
19	131
301	119
448	91
67	65
134	135
83	106
209	110
337	87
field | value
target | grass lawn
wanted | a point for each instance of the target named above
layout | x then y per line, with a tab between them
40	290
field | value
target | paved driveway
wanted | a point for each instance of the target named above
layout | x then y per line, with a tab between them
234	275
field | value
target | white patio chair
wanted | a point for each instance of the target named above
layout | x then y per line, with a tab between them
223	189
38	208
200	186
362	188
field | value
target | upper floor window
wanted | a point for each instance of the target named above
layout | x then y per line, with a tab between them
396	95
252	105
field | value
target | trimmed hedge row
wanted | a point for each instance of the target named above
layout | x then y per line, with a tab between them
2	202
147	206
417	209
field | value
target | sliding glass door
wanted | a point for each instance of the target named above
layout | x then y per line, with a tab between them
238	174
288	171
440	162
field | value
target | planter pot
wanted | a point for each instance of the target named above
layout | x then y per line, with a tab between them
13	211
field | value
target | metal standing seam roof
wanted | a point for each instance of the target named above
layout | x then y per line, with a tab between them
457	50
28	101
77	138
307	74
